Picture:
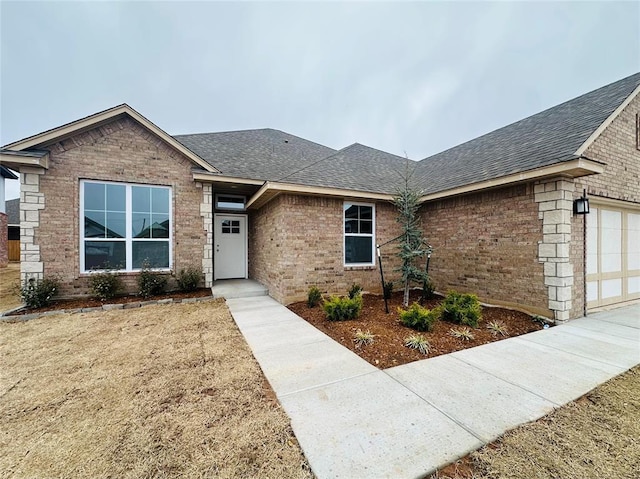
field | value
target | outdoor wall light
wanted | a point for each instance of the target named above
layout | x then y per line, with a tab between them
581	205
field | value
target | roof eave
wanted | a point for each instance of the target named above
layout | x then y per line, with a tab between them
17	161
574	168
272	189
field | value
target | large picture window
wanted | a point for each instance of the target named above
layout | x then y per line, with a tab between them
124	226
359	234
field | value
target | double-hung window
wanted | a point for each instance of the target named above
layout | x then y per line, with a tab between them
124	226
359	234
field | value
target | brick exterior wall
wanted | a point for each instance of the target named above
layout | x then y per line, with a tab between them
296	242
4	240
122	151
616	147
487	243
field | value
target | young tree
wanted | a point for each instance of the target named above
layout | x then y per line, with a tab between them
413	245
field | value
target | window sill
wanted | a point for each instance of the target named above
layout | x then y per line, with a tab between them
123	273
360	267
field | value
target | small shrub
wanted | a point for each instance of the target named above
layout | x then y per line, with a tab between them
462	333
188	279
340	309
418	318
461	308
387	290
37	293
105	285
497	328
150	283
313	297
355	290
419	342
363	338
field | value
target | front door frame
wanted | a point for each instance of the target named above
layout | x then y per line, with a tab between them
246	241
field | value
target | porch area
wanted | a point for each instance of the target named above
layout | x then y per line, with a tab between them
238	288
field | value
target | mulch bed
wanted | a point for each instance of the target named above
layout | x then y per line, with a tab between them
78	303
388	348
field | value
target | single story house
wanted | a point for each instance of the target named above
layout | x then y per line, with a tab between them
115	189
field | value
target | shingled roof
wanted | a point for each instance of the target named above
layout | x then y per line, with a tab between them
546	138
549	137
264	154
356	167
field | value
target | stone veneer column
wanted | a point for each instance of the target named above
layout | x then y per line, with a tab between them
555	206
206	211
31	202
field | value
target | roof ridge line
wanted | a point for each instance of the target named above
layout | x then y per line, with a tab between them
315	162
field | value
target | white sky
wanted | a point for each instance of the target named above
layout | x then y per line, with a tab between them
402	77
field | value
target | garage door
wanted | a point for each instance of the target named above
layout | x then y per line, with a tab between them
613	255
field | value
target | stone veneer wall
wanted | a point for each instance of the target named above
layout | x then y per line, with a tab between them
4	240
487	243
32	202
617	148
555	204
122	151
296	242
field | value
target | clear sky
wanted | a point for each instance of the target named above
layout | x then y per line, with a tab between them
412	78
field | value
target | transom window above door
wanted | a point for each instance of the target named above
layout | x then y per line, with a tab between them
230	202
124	226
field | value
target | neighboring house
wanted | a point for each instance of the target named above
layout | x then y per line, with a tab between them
13	230
498	210
4	244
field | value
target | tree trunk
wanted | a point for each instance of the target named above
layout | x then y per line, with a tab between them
405	301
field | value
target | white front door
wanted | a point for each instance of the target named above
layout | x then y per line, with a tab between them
230	247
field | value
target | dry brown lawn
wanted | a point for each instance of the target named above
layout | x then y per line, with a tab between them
10	287
161	391
596	437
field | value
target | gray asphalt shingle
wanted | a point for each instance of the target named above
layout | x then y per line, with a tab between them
546	138
549	137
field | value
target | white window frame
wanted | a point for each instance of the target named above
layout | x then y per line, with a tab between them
128	240
345	206
244	202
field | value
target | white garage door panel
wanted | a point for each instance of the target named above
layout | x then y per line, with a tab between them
612	255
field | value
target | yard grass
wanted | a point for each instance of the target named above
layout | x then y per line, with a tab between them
160	391
10	287
595	437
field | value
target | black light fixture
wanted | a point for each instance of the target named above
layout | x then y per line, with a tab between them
581	205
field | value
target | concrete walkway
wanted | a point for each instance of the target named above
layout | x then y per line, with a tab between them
356	421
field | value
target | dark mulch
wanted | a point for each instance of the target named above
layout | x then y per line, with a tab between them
388	348
77	303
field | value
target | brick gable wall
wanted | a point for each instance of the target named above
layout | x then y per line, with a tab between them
122	151
487	243
616	147
296	242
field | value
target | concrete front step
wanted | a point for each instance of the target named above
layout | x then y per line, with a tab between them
238	288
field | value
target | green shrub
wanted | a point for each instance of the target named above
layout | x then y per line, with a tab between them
105	285
313	297
354	290
37	293
150	283
418	318
461	308
188	279
340	309
387	290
